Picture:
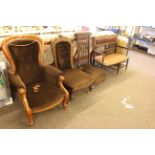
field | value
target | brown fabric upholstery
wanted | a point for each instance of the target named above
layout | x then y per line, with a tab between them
51	74
77	79
97	74
62	55
25	55
16	81
47	95
25	52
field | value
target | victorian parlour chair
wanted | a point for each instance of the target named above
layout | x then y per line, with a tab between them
39	86
75	79
109	53
83	57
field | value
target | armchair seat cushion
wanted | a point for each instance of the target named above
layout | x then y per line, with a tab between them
77	79
44	94
97	73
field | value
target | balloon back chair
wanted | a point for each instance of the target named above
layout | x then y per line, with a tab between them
39	86
75	79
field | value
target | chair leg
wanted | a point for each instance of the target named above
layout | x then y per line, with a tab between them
22	94
70	95
105	68
126	64
66	100
29	115
90	89
64	103
64	106
118	68
93	59
93	62
102	66
30	118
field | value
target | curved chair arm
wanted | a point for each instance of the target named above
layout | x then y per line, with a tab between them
22	95
95	53
122	47
16	81
60	84
98	52
51	74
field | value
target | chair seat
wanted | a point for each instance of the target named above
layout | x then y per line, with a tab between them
47	96
111	59
77	79
97	73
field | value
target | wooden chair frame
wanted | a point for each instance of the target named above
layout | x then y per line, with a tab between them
83	39
53	44
107	47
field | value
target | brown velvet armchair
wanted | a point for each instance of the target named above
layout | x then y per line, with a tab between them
39	86
75	79
83	57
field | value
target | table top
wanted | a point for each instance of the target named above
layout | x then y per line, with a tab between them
111	59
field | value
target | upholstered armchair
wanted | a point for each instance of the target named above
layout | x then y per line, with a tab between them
39	86
83	57
75	79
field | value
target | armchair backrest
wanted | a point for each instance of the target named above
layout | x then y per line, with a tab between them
83	48
63	53
24	54
102	43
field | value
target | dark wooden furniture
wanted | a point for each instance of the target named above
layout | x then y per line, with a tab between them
82	57
75	79
39	86
108	54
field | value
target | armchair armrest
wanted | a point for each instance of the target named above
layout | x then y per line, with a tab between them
98	52
16	81
123	47
94	52
51	74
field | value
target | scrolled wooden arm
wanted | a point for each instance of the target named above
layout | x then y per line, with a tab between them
123	47
94	52
22	94
66	96
98	52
